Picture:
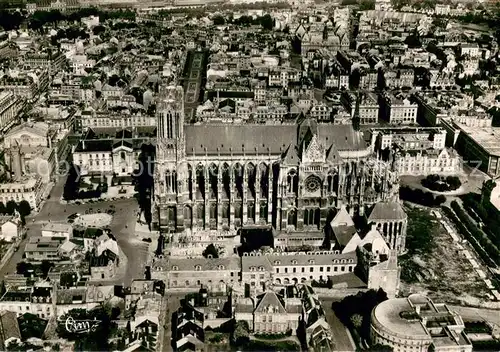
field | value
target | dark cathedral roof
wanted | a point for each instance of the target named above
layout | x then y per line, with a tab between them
387	211
264	139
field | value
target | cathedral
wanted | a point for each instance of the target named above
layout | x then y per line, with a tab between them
291	177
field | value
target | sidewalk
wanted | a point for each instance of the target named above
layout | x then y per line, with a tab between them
142	232
9	253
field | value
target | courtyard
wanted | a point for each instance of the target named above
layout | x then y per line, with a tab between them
94	220
435	265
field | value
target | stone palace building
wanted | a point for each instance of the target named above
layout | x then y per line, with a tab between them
292	177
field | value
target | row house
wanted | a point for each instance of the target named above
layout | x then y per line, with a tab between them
368	79
336	77
426	162
321	112
28	85
282	77
108	91
270	113
10	106
53	61
440	79
399	78
408	138
365	103
34	300
80	64
125	101
352	60
29	189
398	110
45	302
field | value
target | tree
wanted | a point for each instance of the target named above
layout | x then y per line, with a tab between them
356	321
219	20
241	334
267	22
10	20
440	199
211	251
94	340
22	268
68	279
367	5
3	209
11	207
98	29
45	267
24	209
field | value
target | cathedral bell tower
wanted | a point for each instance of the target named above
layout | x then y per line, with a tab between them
170	168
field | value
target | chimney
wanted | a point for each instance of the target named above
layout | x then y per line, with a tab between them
83	144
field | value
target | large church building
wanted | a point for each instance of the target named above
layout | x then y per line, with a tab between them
292	177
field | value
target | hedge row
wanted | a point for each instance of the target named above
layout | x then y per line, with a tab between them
468	236
487	213
420	197
441	183
478	234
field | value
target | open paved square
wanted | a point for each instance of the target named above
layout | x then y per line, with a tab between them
122	227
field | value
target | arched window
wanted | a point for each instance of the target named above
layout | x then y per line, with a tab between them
292	217
197	267
190	182
292	182
122	156
264	180
238	213
213	211
168	181
251	211
201	211
175	268
263	211
329	180
225	211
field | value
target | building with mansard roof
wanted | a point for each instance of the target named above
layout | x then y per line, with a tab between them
292	177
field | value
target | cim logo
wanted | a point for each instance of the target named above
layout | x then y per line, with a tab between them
80	326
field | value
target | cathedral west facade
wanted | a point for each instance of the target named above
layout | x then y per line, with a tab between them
292	177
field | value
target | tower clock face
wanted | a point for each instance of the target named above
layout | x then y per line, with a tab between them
312	183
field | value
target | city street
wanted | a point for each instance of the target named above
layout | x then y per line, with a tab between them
477	314
122	227
341	336
173	303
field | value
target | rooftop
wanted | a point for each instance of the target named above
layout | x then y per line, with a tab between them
487	137
57	227
263	139
388	314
